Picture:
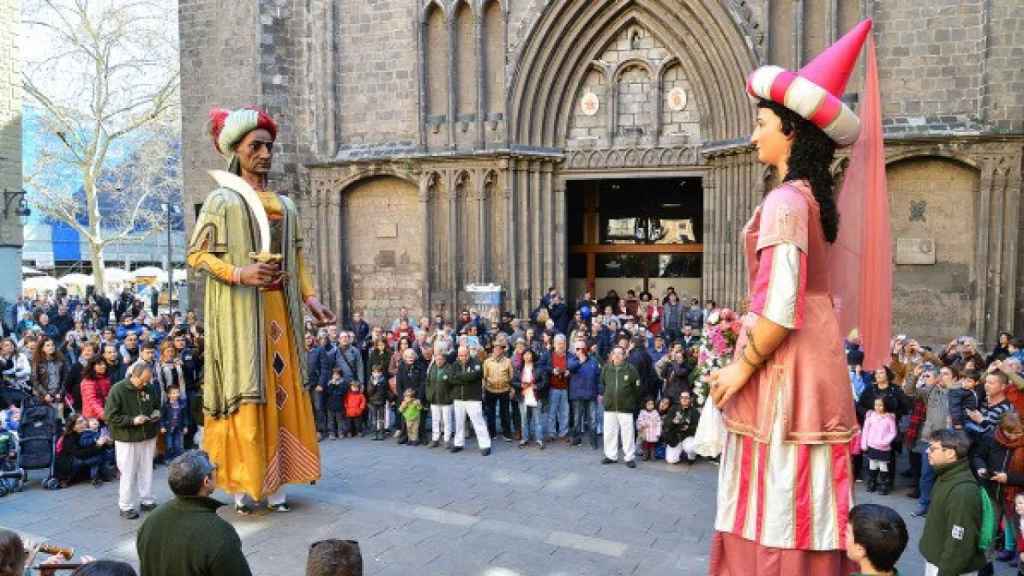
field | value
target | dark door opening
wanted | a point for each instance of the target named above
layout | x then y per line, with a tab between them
644	234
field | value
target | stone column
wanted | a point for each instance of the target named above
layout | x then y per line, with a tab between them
428	183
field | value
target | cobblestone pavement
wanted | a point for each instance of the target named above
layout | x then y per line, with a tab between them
425	511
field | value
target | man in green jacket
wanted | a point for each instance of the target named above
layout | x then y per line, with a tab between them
465	390
949	542
132	411
185	537
620	390
439	376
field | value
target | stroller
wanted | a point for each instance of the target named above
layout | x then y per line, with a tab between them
37	442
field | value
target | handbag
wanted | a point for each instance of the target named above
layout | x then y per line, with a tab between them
710	436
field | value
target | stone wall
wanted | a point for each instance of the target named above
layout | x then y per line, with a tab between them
11	238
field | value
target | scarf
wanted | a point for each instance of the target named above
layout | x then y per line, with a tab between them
1015	463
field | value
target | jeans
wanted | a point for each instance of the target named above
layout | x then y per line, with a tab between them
336	422
377	423
599	416
174	444
583	411
927	481
537	414
494	405
78	465
558	412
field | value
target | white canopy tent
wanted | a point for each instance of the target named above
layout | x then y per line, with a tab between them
37	284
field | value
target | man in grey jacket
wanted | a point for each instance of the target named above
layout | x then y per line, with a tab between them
936	398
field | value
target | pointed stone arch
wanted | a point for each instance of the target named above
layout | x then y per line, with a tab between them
572	33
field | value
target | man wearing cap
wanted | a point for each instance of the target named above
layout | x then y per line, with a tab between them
259	429
498	388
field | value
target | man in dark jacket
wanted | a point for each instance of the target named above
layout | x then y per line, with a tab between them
559	313
465	390
640	358
949	542
584	382
312	384
439	377
679	429
620	390
185	537
132	411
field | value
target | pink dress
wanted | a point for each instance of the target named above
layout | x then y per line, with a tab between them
785	485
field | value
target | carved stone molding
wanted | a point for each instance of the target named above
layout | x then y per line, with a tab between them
637	157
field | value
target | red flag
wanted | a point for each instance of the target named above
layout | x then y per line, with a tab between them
861	259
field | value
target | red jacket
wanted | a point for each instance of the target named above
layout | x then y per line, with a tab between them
94	396
355	403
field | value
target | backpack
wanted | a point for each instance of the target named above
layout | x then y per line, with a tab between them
989	522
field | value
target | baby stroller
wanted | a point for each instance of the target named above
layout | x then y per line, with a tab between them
37	439
11	476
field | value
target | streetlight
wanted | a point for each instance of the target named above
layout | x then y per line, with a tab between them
170	265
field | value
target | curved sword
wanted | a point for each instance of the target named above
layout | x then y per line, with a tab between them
252	200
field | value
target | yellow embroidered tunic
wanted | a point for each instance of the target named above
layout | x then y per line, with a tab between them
265	441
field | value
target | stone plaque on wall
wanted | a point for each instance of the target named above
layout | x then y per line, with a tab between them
387	230
590	103
919	251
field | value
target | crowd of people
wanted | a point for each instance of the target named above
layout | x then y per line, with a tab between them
616	373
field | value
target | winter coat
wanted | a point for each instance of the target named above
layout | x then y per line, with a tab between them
377	391
896	402
439	380
960	401
498	375
335	391
650	386
620	387
936	412
378	358
94	396
350	361
328	360
48	378
673	316
313	367
467	381
411	376
648	425
124	403
355	404
540	381
585	378
878	432
950	536
992	457
167	416
679	424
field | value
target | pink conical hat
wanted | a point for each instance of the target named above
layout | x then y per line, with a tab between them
815	91
832	68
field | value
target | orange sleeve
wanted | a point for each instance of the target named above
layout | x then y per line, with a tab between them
306	289
203	260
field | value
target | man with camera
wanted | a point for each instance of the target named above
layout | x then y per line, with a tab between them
132	411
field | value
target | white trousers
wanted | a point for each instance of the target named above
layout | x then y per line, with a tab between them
688	445
275	499
616	423
135	461
441	415
933	570
475	410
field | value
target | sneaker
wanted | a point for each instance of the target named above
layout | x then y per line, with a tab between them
243	509
919	513
485	452
455	449
577	441
523	443
607	460
540	444
97	482
631	463
282	507
148	506
435	444
129	514
506	438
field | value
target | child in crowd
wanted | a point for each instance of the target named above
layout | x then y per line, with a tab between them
174	422
377	397
648	423
875	539
336	389
876	441
10	418
355	406
410	410
964	398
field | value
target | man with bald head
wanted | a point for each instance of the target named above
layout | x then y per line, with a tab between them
466	390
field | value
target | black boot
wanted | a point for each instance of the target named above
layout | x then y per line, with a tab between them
872	480
883	483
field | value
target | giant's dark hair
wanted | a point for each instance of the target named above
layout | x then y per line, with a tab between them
810	159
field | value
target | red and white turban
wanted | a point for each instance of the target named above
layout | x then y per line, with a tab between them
815	91
228	127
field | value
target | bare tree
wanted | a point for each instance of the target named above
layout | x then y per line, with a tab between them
104	74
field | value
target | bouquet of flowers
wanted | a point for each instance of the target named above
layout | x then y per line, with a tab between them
717	342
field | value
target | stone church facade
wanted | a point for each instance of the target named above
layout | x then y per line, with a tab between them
437	143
